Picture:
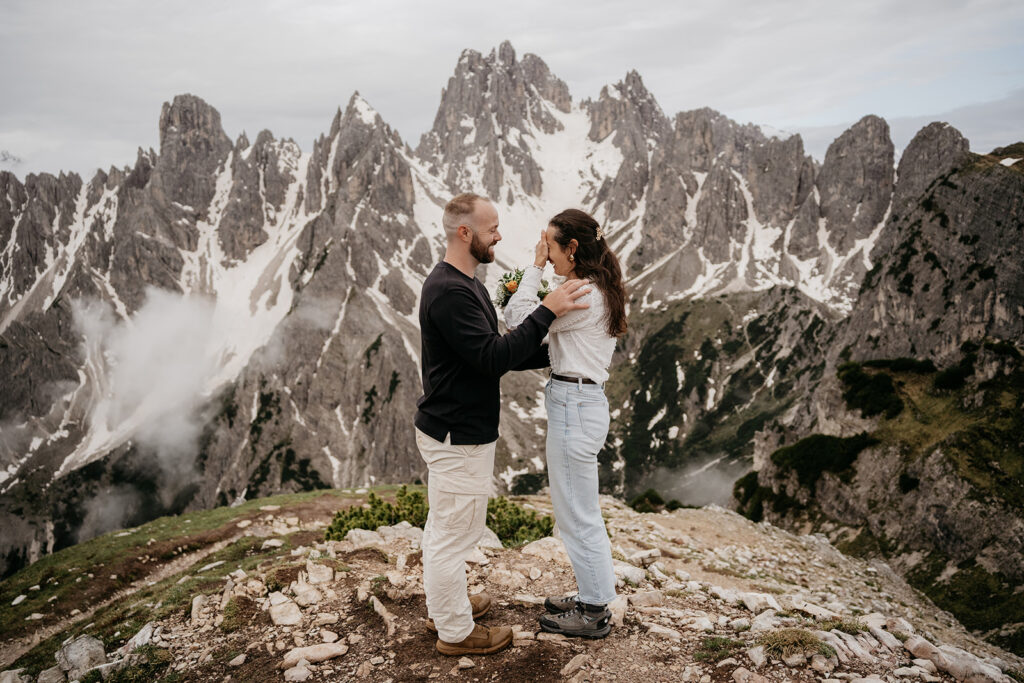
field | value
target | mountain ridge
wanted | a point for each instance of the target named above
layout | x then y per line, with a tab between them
312	262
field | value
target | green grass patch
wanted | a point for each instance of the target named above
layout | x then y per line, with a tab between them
851	626
717	648
788	641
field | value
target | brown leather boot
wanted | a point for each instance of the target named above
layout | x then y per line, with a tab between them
482	641
481	603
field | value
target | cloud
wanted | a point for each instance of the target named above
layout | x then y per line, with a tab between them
149	374
109	511
709	481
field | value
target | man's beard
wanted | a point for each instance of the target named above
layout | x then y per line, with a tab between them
480	251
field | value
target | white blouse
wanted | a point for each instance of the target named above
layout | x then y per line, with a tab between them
578	342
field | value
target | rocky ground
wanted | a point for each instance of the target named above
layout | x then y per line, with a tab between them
705	595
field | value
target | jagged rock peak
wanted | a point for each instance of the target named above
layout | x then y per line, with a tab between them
628	100
189	117
856	180
490	109
360	114
358	106
496	89
936	150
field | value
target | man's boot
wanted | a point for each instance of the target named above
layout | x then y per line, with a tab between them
482	641
481	603
585	621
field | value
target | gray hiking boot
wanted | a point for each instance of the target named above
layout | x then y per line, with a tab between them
559	605
579	622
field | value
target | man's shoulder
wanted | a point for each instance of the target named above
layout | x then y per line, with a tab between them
443	283
445	278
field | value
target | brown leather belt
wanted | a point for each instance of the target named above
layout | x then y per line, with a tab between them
574	380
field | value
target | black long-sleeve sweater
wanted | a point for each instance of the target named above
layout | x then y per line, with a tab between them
464	357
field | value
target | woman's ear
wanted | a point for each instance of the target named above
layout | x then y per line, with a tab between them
573	246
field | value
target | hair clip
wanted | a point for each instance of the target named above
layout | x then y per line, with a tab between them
600	232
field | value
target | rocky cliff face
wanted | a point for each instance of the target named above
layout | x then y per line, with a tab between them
289	280
920	460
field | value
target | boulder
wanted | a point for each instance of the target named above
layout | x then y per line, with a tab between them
298	673
313	654
402	530
759	602
80	655
362	538
963	666
618	609
52	675
742	675
662	631
489	539
629	573
548	548
318	573
283	610
647	599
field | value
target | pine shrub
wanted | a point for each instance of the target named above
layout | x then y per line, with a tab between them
513	524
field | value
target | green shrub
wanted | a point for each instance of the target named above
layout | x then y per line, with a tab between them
513	523
819	453
516	525
410	506
871	393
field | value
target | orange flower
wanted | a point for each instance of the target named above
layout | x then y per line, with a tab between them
512	286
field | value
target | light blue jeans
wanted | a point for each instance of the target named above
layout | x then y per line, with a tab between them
577	428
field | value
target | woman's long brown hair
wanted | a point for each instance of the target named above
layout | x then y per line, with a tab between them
594	261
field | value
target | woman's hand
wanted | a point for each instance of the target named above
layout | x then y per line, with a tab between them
541	250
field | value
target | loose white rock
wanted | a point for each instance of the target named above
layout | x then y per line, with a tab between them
313	653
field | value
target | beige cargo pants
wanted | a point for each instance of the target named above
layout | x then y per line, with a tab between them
458	485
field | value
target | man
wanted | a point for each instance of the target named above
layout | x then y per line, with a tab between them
463	359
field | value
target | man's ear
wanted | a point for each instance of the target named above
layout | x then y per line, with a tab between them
465	233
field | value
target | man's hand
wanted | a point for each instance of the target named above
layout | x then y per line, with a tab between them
541	250
563	299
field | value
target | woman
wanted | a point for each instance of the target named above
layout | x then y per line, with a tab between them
580	345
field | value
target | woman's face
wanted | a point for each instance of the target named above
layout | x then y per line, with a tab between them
558	255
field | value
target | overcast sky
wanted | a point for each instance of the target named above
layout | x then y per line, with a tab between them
83	81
